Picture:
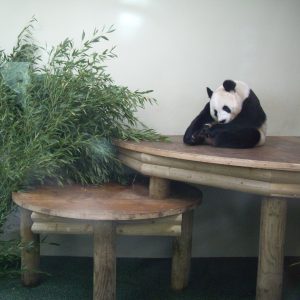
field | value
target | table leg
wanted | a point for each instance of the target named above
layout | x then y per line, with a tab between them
182	249
104	260
271	249
30	254
159	188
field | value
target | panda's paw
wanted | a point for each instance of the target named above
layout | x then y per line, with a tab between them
210	133
210	141
215	130
205	130
208	125
198	137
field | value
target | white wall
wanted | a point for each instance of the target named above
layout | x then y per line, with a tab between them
178	48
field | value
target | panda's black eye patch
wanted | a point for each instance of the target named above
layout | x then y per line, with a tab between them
216	113
227	109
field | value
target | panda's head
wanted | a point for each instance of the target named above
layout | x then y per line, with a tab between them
227	100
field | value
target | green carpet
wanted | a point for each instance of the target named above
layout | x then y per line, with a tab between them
147	279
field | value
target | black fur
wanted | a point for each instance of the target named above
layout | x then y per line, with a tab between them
241	132
229	85
193	135
209	92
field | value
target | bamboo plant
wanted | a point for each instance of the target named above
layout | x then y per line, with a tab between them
59	111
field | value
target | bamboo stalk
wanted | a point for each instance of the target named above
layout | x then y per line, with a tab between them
158	229
244	172
216	180
38	217
147	229
64	228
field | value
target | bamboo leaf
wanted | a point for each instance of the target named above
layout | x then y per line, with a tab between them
73	110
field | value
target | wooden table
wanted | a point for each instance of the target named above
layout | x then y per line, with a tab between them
100	210
272	171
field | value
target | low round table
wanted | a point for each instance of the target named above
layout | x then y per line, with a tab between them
272	171
104	207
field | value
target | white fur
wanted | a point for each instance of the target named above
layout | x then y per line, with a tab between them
263	132
233	99
242	89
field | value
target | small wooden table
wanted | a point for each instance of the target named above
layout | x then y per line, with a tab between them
272	171
101	209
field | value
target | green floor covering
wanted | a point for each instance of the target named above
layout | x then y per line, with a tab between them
147	279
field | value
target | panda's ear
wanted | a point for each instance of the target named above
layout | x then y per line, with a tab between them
209	92
229	85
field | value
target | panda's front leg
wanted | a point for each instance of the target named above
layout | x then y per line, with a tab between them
221	135
200	135
195	134
213	132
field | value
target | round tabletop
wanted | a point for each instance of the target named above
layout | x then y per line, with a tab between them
278	153
107	202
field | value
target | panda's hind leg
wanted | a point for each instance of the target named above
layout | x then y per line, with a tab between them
239	138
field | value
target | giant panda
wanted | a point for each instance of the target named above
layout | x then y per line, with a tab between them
233	118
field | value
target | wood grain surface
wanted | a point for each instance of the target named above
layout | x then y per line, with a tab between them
167	226
30	255
105	267
107	202
271	249
278	153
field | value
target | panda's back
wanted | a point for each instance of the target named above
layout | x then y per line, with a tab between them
252	114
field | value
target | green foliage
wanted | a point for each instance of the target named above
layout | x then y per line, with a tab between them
9	258
58	117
